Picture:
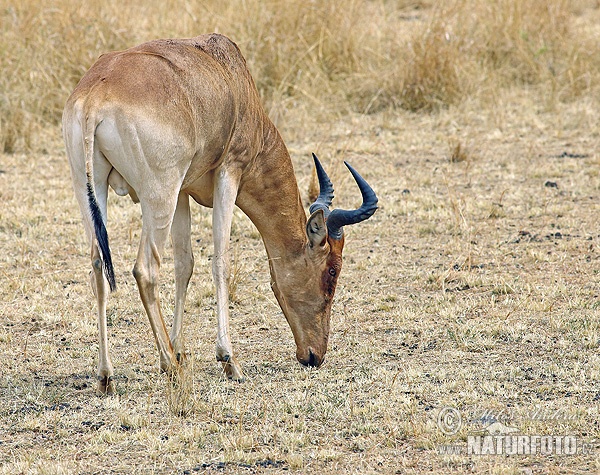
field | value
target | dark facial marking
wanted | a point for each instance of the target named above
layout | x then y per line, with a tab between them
330	275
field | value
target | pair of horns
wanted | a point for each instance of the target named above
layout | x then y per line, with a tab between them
338	218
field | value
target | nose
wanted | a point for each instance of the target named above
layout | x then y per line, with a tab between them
310	359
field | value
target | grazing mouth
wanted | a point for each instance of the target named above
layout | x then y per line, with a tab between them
311	360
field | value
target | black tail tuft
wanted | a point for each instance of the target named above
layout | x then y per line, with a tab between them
102	238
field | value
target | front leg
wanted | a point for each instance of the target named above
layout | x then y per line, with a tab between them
225	193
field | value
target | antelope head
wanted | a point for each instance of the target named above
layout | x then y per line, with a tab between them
305	288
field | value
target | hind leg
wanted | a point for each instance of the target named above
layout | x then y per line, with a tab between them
105	372
157	217
184	266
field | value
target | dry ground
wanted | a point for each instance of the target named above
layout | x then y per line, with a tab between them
475	286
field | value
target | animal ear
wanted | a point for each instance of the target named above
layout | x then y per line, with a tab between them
316	229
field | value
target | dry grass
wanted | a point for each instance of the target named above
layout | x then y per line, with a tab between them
474	286
320	56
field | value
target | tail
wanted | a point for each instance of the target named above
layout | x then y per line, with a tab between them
99	226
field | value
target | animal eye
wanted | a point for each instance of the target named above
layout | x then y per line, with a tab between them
332	272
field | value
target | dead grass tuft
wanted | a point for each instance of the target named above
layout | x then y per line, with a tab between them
237	274
458	153
179	389
433	77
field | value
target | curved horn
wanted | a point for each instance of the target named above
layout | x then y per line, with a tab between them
341	217
325	190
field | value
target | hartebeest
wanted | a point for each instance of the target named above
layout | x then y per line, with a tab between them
170	119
